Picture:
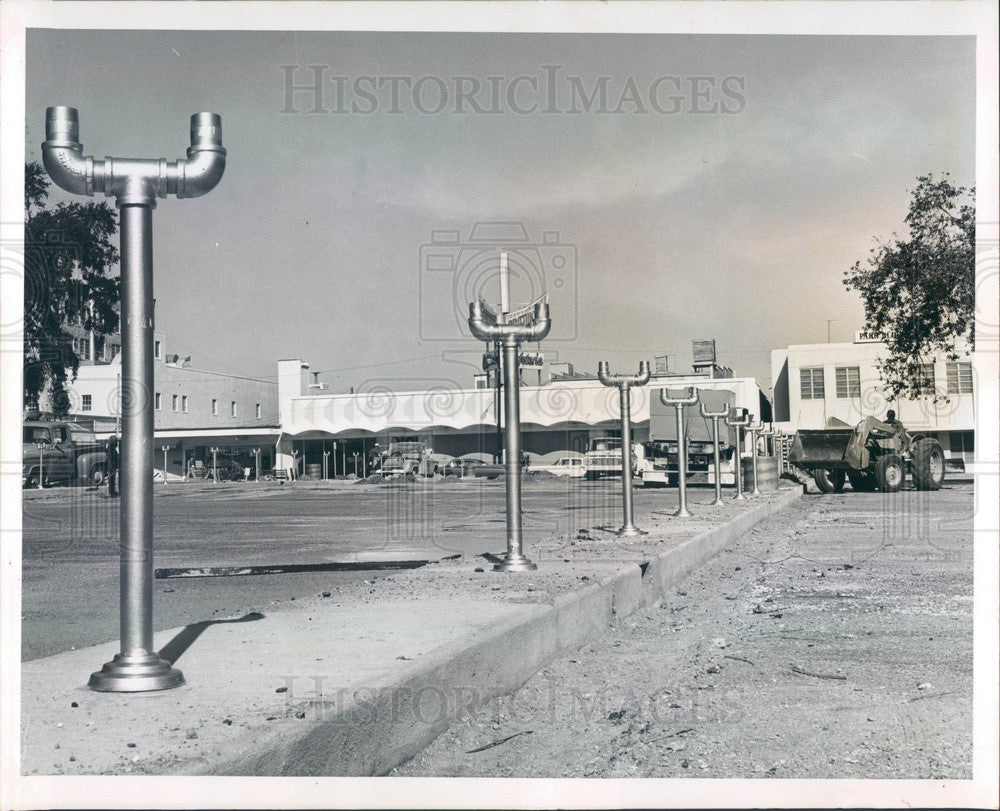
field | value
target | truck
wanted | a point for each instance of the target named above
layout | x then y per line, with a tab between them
873	455
410	458
603	458
659	464
61	452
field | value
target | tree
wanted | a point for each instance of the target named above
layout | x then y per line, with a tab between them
68	262
919	293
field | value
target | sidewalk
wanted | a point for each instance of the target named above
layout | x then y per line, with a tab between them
359	680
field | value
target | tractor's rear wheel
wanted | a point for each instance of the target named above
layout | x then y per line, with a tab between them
928	464
829	481
861	482
890	473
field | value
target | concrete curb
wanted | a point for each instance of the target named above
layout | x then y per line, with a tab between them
372	736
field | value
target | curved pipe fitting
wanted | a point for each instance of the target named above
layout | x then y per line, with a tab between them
711	414
607	379
740	422
62	152
691	399
509	333
132	181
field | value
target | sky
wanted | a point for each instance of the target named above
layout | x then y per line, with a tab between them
720	189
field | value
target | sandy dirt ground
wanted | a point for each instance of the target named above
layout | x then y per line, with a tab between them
832	641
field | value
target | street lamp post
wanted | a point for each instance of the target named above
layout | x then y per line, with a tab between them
135	184
739	423
624	384
715	416
678	403
484	326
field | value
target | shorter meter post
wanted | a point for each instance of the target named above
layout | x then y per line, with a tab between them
739	423
215	466
41	464
256	464
715	416
679	403
754	430
624	384
165	449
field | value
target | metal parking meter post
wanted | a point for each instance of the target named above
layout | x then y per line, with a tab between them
715	416
624	384
326	465
215	466
768	434
754	430
256	464
135	184
678	404
41	464
165	449
739	424
483	325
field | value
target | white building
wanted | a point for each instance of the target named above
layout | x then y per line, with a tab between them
194	409
557	418
814	382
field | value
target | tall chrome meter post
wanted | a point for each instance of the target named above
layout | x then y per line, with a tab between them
678	403
739	423
135	184
715	416
485	326
754	430
624	384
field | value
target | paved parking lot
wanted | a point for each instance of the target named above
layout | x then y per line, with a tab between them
70	553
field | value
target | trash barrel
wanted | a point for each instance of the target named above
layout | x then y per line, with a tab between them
314	470
767	470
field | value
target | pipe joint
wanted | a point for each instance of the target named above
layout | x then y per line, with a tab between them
132	181
678	402
623	381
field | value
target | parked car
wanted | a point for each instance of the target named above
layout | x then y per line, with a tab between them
463	467
573	467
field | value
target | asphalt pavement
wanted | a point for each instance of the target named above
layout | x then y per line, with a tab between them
70	542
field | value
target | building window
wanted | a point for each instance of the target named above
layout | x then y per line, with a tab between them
184	403
925	378
82	348
156	401
215	408
812	383
959	378
86	402
848	381
232	408
173	402
257	411
156	350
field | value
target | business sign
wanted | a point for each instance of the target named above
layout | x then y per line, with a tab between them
532	359
868	337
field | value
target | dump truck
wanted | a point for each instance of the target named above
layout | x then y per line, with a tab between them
873	455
